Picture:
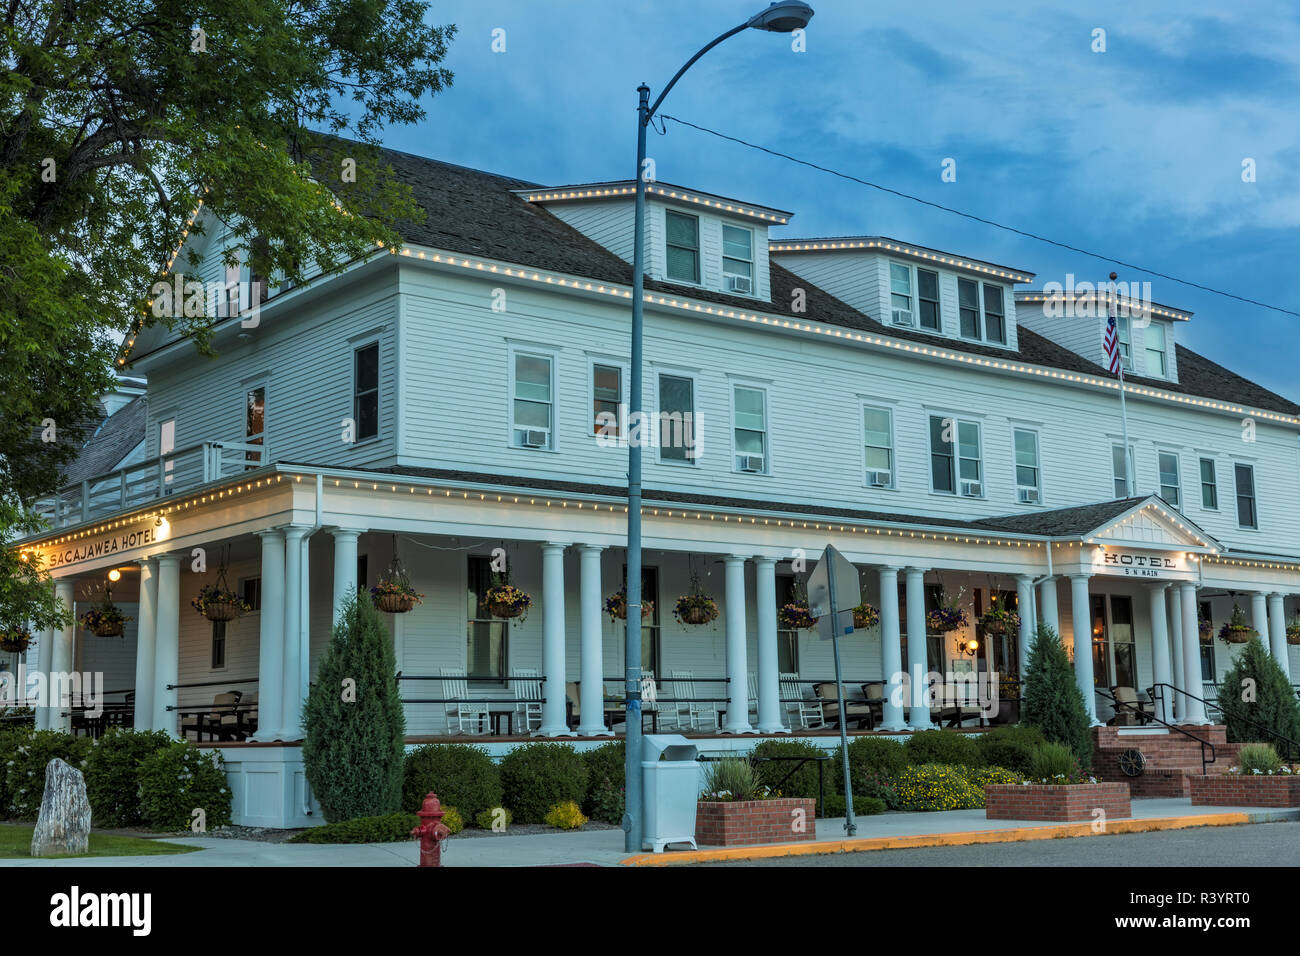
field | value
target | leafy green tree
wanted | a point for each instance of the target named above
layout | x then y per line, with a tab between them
1256	698
353	750
116	116
1053	702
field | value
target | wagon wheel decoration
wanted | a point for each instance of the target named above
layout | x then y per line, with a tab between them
1132	763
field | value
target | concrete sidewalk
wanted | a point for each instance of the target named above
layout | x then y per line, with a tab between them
605	847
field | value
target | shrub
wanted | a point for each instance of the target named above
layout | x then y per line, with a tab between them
1053	702
352	752
1274	706
1259	758
25	766
493	818
605	774
862	806
460	774
943	746
452	819
112	774
876	786
983	776
1052	761
179	779
389	828
803	781
566	816
938	787
607	803
1010	747
732	778
867	756
536	777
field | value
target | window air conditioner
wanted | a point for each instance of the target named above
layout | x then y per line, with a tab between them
903	317
535	438
878	479
972	489
1028	496
751	462
739	284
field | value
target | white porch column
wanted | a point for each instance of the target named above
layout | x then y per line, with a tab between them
737	651
591	680
1259	615
1028	626
167	644
1176	646
270	659
345	564
38	663
290	703
769	668
1277	633
918	665
1194	712
1161	667
553	723
61	662
145	637
891	651
304	631
1048	609
1081	621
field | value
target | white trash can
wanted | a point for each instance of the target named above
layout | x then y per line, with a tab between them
670	776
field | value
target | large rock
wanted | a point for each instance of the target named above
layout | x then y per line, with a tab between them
64	823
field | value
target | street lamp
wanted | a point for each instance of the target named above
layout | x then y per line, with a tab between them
777	18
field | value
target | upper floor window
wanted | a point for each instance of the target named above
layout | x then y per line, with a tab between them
738	259
1247	515
676	419
1155	346
532	406
255	425
167	445
606	396
365	394
956	461
900	294
878	439
995	315
1124	335
1028	486
1123	470
927	294
750	414
987	321
1171	485
1209	485
683	238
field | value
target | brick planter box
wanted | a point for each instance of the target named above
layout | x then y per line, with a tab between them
1059	804
746	822
1236	790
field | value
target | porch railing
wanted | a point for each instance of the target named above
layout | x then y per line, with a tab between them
146	481
1286	747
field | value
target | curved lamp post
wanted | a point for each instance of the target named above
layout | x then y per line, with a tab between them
777	18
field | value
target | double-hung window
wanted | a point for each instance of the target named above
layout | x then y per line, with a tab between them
1028	480
676	431
995	315
1155	346
486	636
968	308
750	420
1171	485
1124	335
365	391
900	294
927	296
1247	513
985	320
878	440
606	397
737	259
532	405
1122	468
1209	485
956	465
683	246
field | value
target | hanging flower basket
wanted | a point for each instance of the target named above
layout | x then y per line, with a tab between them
1237	630
796	617
217	602
15	640
695	608
1205	626
395	597
507	601
1293	632
948	616
999	620
105	620
865	616
616	606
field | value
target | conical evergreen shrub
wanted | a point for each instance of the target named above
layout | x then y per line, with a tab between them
1053	702
1255	689
353	750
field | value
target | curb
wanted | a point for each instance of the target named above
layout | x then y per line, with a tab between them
963	838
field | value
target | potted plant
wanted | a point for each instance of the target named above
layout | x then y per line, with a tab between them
999	619
616	606
15	640
1293	630
105	619
696	607
735	808
217	602
865	616
795	616
504	600
948	616
1205	625
395	596
1237	630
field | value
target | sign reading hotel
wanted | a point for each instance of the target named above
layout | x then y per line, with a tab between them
1140	564
103	546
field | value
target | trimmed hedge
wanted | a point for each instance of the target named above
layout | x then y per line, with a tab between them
862	806
943	747
536	777
113	772
462	775
802	782
1011	747
388	828
179	779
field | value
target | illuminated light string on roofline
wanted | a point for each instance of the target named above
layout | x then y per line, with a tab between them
1124	301
553	195
819	245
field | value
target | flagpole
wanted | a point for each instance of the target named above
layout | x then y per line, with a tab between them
1123	405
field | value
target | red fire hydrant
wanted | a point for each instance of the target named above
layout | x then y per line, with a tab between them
431	831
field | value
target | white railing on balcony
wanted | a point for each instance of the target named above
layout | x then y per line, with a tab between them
148	481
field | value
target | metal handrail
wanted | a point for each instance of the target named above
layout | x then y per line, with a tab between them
1163	723
213	683
1268	730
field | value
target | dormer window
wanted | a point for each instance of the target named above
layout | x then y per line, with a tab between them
995	315
986	323
683	239
737	259
914	298
1155	346
1125	336
900	294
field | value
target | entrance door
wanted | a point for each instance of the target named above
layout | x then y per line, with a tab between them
1114	656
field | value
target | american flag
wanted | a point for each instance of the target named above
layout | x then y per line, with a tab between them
1110	343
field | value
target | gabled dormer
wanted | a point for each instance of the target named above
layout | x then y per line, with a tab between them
912	288
1075	317
693	238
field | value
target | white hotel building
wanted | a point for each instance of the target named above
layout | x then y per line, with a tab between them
819	375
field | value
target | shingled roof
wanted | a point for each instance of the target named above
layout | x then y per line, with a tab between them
112	440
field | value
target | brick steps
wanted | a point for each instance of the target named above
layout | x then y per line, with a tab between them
1171	758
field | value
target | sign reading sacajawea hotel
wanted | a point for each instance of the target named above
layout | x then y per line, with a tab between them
947	427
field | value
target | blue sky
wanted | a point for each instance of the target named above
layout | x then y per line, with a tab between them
1135	152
